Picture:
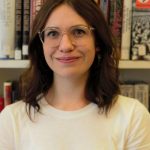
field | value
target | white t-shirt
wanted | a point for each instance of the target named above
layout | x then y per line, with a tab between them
127	127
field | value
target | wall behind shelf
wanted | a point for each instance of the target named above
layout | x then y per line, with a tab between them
135	75
8	74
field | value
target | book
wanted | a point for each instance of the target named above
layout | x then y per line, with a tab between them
15	91
7	90
140	41
136	89
142	93
143	4
7	29
1	103
115	20
127	90
35	6
126	30
18	29
26	28
104	5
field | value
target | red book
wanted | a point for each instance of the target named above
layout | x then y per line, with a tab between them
7	93
1	103
35	6
144	4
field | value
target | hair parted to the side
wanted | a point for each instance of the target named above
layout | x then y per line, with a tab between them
102	84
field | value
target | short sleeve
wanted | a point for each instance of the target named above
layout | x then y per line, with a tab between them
6	130
139	129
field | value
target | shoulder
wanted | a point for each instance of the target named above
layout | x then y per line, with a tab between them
14	110
129	104
15	107
129	109
134	119
19	111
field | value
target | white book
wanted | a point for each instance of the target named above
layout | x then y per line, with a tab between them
126	30
142	93
127	90
7	29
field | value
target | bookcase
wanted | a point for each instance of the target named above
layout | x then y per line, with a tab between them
129	70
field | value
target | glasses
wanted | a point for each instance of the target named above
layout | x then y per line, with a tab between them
77	34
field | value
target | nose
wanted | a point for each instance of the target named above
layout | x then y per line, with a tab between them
66	44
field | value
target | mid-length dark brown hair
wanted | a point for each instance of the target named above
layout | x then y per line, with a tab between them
102	84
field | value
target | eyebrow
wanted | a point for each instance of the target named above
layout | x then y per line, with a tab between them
55	27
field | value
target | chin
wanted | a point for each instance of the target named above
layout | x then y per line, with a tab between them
71	74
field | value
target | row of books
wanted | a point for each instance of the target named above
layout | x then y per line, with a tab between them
129	21
138	90
133	89
16	18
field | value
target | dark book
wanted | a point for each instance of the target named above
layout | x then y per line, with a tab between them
26	28
18	29
115	20
15	91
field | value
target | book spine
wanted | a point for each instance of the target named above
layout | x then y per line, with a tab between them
35	6
26	28
127	90
15	91
142	93
126	30
7	29
1	103
7	93
18	30
115	20
105	7
140	41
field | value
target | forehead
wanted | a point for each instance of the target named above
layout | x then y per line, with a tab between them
65	16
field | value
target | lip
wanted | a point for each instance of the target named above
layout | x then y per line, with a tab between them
67	59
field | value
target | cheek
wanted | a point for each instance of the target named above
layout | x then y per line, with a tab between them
88	55
91	51
45	50
48	55
48	52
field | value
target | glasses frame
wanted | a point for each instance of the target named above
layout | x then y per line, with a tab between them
64	32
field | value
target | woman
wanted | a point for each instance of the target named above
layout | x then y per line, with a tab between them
70	92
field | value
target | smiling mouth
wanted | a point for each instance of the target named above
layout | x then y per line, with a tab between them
67	59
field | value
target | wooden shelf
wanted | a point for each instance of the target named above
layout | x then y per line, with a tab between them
123	64
14	64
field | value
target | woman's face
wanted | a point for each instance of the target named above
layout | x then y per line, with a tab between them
69	46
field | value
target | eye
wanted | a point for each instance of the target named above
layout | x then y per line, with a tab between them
78	32
51	34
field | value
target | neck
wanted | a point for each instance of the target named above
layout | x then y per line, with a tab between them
67	94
